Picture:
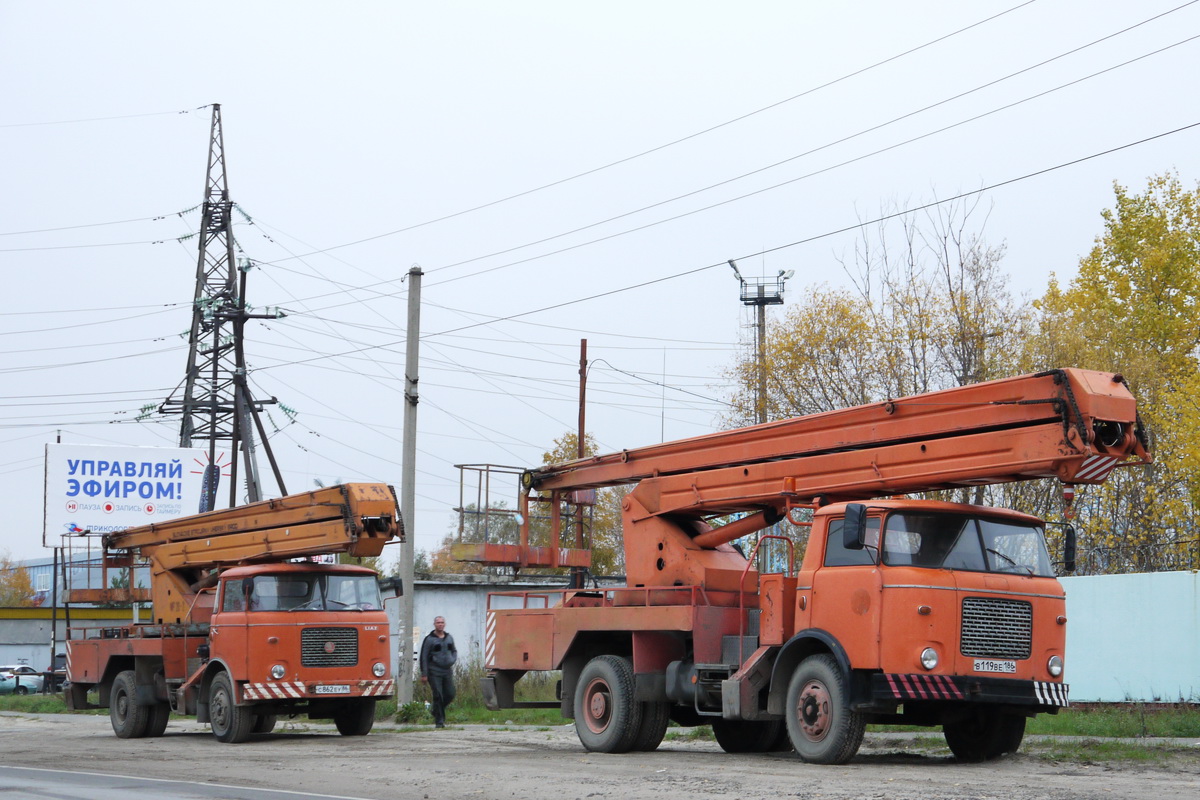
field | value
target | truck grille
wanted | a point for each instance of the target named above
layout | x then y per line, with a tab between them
316	643
996	628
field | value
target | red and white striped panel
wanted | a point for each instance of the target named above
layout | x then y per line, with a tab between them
295	690
1095	468
376	688
489	640
924	687
286	690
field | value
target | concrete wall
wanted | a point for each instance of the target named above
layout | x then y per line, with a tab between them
1134	637
25	632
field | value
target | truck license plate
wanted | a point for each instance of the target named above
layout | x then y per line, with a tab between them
340	688
985	665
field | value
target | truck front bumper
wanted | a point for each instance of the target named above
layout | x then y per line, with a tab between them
299	690
969	689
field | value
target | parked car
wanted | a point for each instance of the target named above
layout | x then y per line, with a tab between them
20	679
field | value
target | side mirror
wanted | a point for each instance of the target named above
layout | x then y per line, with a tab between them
1069	548
854	529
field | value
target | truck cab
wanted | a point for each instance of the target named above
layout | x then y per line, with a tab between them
939	613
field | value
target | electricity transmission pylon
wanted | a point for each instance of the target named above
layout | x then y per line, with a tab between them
217	405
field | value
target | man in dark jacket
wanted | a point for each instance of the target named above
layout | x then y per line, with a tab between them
438	655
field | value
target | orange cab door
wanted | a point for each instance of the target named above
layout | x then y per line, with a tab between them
228	634
846	595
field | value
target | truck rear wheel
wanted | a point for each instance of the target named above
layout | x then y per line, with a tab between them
607	718
655	718
129	720
355	717
747	736
264	723
987	734
822	727
159	716
230	722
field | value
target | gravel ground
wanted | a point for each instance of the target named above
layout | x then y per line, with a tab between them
476	761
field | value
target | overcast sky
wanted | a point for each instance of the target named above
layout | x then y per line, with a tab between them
528	155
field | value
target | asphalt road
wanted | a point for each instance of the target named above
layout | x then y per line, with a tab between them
68	756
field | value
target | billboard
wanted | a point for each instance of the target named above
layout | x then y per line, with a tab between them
105	488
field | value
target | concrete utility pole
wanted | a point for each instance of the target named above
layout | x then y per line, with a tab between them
408	486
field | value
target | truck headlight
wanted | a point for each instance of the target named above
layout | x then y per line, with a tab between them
277	672
929	658
1054	666
379	669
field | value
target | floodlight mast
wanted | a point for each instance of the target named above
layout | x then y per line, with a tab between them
760	293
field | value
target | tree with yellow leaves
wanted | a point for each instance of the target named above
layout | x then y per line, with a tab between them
1133	307
16	587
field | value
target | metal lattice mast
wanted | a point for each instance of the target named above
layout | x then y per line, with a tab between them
217	405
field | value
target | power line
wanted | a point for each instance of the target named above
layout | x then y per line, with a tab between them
674	142
857	225
799	178
102	119
788	160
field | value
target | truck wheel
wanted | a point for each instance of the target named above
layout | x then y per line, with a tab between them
747	736
129	720
821	725
987	734
355	717
607	718
159	716
264	723
230	722
655	718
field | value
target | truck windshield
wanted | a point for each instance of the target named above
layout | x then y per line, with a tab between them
954	541
295	592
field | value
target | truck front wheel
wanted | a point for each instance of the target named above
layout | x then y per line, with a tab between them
230	722
129	720
607	718
987	734
355	717
820	722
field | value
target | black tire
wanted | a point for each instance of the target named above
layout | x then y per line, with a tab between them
230	722
820	722
159	716
783	742
607	718
355	717
655	718
985	735
129	720
264	723
747	736
21	690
